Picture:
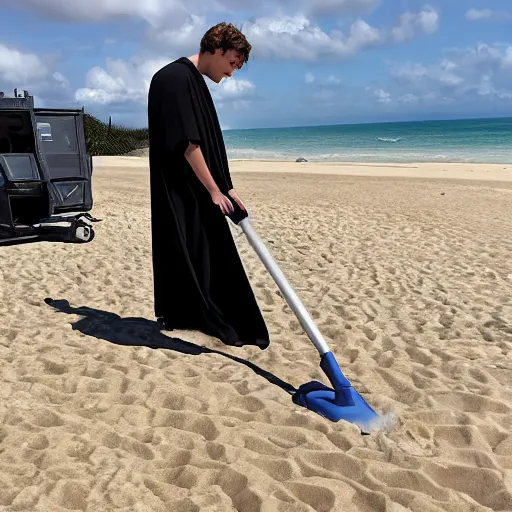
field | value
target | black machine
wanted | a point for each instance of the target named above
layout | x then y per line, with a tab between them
45	173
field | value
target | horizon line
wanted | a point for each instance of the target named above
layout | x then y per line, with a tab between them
319	125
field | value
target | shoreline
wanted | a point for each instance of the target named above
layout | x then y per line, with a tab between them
425	170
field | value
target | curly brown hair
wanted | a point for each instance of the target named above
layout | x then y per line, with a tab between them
225	36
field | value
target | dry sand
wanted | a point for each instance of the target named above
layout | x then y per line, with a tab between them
409	280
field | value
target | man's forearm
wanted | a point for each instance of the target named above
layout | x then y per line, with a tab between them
195	158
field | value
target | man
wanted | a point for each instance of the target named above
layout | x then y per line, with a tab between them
199	280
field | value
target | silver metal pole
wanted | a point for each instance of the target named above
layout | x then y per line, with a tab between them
290	296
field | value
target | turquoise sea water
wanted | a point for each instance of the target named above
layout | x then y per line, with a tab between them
475	140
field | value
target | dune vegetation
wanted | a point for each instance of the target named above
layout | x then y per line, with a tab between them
111	139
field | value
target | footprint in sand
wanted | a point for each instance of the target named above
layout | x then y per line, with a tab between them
268	297
319	498
188	422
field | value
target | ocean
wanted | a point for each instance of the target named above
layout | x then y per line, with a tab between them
473	140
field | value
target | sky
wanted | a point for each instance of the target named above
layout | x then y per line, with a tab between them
313	61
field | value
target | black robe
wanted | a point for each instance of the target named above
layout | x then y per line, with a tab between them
199	280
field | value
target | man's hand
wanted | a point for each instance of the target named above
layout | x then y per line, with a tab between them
195	158
234	195
223	202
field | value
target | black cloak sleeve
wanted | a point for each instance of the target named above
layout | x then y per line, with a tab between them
188	114
179	112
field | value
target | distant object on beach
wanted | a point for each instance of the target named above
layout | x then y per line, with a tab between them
301	159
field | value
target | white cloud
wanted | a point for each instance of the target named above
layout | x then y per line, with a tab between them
101	10
382	95
362	36
479	72
486	87
60	79
20	68
119	82
481	57
479	14
443	72
35	74
487	14
232	94
425	99
297	37
477	77
309	78
408	99
122	81
232	89
183	36
154	11
335	6
309	8
411	24
287	31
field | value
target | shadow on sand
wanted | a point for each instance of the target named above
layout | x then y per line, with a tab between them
136	331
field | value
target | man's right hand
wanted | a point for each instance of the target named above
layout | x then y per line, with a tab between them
223	202
195	158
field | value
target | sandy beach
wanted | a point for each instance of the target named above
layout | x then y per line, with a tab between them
405	268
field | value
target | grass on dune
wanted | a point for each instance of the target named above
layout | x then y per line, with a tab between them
109	139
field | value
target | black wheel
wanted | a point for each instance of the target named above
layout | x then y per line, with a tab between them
84	234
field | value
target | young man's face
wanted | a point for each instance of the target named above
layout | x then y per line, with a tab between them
223	66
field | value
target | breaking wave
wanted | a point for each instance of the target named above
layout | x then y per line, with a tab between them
389	139
398	154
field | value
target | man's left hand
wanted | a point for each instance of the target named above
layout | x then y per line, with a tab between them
234	195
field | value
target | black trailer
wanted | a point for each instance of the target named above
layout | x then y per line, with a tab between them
45	173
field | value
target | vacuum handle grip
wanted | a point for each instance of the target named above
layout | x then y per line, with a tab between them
238	214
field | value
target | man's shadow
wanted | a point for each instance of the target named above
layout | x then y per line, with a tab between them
136	331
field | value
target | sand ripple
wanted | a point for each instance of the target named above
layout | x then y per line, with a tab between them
101	411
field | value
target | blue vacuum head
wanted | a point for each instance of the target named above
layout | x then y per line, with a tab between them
341	403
